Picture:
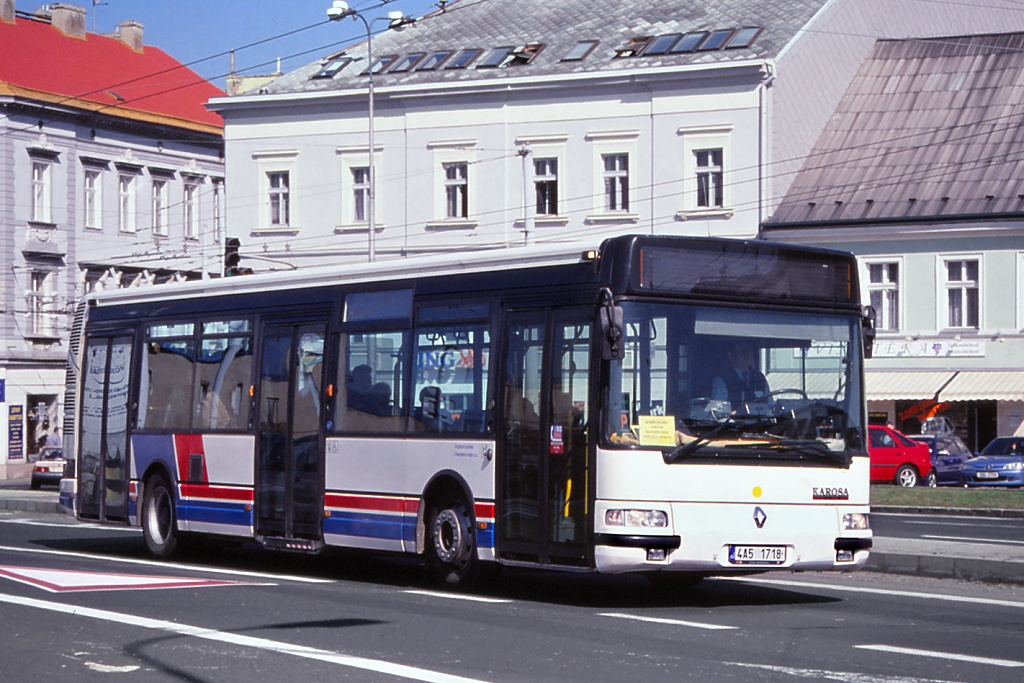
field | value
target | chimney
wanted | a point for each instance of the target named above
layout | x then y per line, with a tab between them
130	33
7	11
68	19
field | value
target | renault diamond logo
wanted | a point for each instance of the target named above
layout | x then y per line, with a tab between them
760	517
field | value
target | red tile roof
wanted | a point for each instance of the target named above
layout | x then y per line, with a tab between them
103	74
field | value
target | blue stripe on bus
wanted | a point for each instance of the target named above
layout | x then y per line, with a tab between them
149	448
369	525
214	513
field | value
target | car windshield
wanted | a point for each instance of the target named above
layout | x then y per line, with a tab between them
51	454
704	382
1005	446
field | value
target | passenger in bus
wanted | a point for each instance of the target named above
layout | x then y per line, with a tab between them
432	412
740	383
358	387
380	399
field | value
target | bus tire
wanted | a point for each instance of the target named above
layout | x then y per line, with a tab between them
451	543
158	523
907	476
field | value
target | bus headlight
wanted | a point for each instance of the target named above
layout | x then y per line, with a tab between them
636	518
856	521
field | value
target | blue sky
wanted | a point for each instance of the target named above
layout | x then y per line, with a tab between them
193	31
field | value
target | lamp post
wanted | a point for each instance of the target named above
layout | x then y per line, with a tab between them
339	10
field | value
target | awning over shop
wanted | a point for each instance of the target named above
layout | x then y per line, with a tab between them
882	385
984	385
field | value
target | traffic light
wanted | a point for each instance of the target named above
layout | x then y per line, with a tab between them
231	256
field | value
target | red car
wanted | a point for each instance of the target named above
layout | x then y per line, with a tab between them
896	458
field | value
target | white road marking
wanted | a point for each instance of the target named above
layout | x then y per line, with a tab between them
458	596
992	541
73	524
172	565
1009	663
669	622
841	676
67	581
881	591
363	663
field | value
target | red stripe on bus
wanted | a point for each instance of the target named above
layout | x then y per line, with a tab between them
186	445
372	503
216	492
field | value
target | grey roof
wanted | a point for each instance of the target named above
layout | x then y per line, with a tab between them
928	129
559	25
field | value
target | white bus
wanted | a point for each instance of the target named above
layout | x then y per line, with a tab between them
579	410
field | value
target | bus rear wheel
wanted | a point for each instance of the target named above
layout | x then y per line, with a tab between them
451	543
158	525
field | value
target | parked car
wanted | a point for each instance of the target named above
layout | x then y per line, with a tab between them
49	468
948	455
896	458
1000	463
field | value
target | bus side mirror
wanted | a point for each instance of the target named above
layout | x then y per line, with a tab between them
613	330
868	327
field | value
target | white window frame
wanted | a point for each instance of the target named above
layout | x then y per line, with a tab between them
604	144
945	287
161	205
190	206
446	153
278	161
896	289
41	302
92	197
127	198
546	178
700	138
352	159
546	147
42	190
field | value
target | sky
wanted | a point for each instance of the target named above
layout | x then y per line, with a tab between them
201	33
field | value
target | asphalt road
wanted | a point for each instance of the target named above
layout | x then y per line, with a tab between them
949	528
70	611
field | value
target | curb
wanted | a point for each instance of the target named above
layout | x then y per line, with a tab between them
30	505
936	567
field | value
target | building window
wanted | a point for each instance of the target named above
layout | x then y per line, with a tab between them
161	207
456	189
360	194
41	307
41	171
545	180
126	203
93	196
190	209
709	178
884	292
962	294
616	182
279	196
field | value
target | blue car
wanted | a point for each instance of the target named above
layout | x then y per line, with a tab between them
1001	463
949	453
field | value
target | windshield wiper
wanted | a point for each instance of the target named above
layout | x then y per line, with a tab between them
689	448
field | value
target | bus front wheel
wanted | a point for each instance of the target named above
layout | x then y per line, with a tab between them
451	546
158	526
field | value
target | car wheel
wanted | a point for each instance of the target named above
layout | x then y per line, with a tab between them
906	476
931	481
158	525
451	543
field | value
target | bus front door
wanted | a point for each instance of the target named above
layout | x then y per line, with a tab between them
289	492
543	468
103	436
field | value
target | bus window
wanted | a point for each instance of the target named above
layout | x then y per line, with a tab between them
224	377
450	380
165	392
370	389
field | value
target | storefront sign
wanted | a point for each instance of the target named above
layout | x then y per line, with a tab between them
936	348
15	432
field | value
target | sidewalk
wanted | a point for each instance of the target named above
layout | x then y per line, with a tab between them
997	563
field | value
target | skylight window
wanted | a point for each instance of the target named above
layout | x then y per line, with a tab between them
524	55
332	66
407	62
744	37
689	42
581	50
381	64
434	60
462	59
495	57
633	47
662	44
716	39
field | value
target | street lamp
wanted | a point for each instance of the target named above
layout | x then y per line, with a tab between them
339	10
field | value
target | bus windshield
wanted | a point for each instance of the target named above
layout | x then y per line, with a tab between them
702	382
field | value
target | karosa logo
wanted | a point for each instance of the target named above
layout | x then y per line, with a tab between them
829	493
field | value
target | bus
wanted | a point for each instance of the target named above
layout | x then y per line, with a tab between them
561	408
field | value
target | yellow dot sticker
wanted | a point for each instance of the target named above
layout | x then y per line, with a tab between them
757	492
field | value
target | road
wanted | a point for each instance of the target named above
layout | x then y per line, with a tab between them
240	614
949	528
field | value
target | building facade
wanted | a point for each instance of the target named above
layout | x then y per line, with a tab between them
111	175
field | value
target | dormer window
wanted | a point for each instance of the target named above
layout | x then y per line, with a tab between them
633	47
332	66
434	60
495	57
463	58
381	64
524	55
662	44
580	51
407	62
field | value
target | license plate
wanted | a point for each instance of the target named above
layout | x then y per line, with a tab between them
757	554
987	475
